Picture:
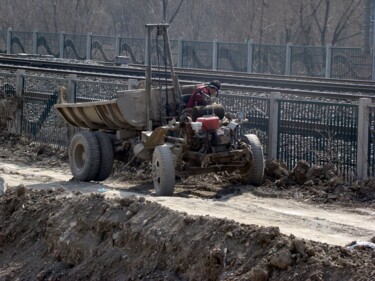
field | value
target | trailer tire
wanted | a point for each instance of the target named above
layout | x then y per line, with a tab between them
163	171
254	176
84	156
106	156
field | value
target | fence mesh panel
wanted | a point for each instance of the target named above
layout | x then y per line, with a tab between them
319	133
103	48
22	42
232	57
48	44
308	61
197	54
351	63
75	46
134	48
269	59
3	41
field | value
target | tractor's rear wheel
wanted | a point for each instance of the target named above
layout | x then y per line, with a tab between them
84	156
254	175
163	171
106	156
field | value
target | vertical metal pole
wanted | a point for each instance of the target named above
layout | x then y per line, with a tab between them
250	56
176	84
214	55
373	40
9	41
328	60
148	77
88	46
288	59
35	42
61	44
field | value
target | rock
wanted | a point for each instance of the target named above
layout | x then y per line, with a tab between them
266	235
282	259
314	172
258	274
308	183
300	170
20	190
276	169
299	246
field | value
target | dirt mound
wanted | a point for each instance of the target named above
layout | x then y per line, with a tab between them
57	235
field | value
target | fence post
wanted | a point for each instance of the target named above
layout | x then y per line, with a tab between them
214	55
9	41
288	59
146	50
61	44
20	86
88	46
118	45
273	125
180	52
35	42
250	50
328	60
362	148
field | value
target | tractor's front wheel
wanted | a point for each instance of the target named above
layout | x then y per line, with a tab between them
163	171
255	172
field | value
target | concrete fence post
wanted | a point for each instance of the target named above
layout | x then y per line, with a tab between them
288	59
61	44
214	54
88	46
19	87
71	98
328	60
250	50
35	42
273	125
363	138
9	41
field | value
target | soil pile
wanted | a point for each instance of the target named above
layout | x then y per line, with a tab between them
57	235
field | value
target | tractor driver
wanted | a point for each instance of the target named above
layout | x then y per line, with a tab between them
202	94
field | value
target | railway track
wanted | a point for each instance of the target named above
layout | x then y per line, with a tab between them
330	88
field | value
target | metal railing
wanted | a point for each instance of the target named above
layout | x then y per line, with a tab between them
289	130
322	61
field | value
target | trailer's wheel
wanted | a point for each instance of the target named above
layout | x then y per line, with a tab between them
255	174
163	171
84	156
106	156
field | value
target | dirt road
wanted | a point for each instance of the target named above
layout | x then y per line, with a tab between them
325	223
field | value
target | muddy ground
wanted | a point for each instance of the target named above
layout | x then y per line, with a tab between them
305	224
